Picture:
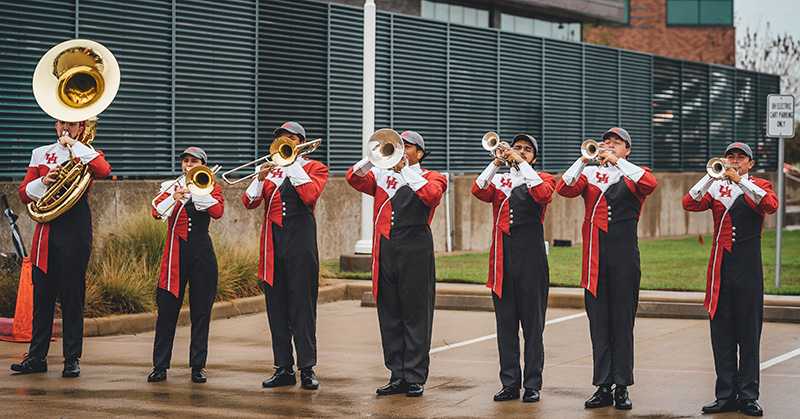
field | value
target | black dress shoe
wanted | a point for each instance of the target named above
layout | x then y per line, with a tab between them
30	365
601	398
308	380
721	406
158	374
71	369
506	394
283	377
750	408
531	396
415	389
198	375
621	399
395	386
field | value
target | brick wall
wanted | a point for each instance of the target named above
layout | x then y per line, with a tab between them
648	32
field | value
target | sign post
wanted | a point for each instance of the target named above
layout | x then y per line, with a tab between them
780	124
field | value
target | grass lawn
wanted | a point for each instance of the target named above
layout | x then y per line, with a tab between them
667	264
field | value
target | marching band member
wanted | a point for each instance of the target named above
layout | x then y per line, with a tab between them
188	258
403	265
518	272
289	259
613	194
60	251
735	284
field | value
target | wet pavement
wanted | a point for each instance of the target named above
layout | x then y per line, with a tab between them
674	372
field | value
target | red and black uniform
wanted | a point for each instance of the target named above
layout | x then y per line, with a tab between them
611	270
188	258
60	251
289	259
403	265
518	272
735	282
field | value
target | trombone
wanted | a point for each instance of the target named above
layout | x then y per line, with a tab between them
200	181
716	168
491	143
282	152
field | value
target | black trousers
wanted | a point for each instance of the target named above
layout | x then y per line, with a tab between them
198	268
736	326
526	281
613	311
69	248
292	298
406	297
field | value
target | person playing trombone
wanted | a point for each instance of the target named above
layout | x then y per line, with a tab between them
614	193
518	272
403	266
735	283
289	259
188	258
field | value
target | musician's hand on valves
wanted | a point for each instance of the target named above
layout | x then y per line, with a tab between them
66	140
606	156
51	176
264	170
732	174
180	193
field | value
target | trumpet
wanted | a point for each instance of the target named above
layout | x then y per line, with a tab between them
491	143
716	167
200	181
385	148
282	152
590	149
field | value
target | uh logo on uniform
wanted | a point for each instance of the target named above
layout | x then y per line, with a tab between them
391	183
724	191
50	158
601	177
505	183
276	172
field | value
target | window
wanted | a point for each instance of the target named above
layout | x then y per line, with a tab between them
699	12
454	13
627	13
543	28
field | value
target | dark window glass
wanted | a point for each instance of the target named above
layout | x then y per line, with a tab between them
699	12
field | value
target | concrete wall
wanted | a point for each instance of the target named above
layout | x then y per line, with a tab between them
338	212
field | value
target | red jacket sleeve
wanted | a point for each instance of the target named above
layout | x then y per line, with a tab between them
159	199
647	183
216	210
705	203
33	174
310	192
366	184
769	203
432	192
485	195
99	166
266	189
543	192
574	190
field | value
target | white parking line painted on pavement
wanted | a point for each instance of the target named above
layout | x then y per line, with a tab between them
493	336
779	359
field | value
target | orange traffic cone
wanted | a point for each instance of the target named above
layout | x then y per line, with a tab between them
23	313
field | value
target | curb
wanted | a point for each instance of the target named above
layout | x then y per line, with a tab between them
449	296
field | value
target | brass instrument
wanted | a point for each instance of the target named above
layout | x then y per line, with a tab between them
591	149
73	81
491	143
716	167
200	181
385	148
283	152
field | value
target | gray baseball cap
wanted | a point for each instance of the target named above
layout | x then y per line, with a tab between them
526	137
292	127
620	132
740	146
413	138
195	151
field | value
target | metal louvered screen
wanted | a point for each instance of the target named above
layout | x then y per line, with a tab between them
225	83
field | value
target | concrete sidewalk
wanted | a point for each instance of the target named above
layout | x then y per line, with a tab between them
449	296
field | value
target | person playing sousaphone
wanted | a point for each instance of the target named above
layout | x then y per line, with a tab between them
735	283
188	258
518	272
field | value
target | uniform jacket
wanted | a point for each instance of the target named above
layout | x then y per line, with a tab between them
383	184
612	194
507	192
738	211
308	177
43	159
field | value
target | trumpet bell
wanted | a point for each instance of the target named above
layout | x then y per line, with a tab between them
590	149
490	141
385	148
716	167
76	80
200	180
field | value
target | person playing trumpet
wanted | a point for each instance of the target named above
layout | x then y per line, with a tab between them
403	265
60	250
518	272
289	259
614	193
188	258
735	282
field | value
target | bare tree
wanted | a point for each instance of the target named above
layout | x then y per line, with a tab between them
774	54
